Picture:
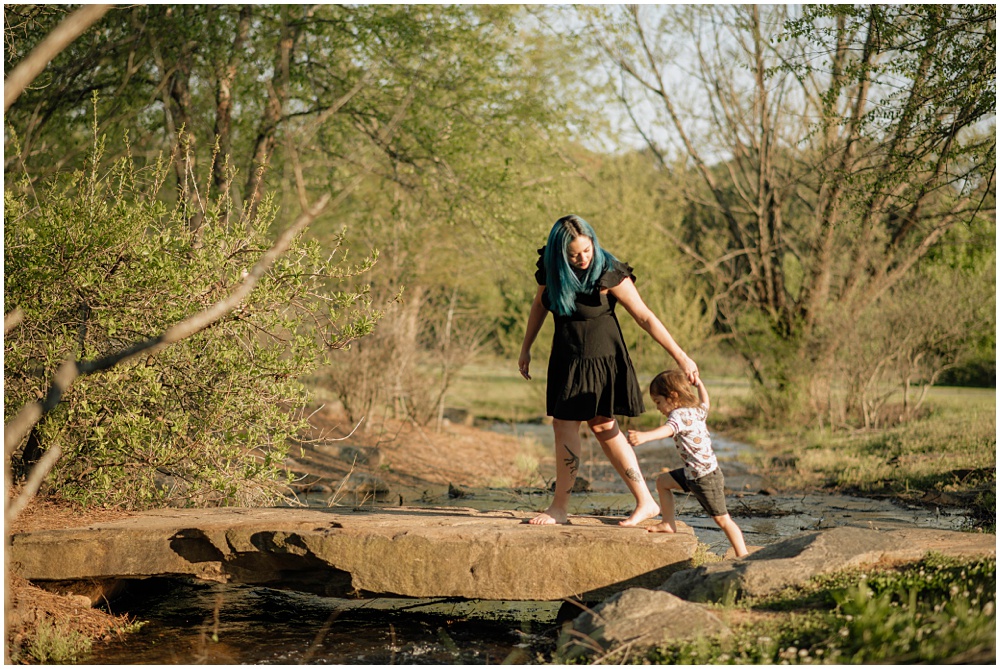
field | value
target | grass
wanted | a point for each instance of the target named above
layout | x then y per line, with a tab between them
53	644
938	610
947	457
494	390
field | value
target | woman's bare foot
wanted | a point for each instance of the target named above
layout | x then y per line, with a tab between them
550	517
662	527
641	513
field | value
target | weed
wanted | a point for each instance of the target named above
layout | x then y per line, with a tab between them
52	644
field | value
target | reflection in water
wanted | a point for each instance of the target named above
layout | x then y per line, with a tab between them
210	623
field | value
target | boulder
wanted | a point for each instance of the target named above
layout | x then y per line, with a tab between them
388	551
796	560
635	620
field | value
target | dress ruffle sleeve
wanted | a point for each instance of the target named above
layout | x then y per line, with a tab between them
619	272
540	272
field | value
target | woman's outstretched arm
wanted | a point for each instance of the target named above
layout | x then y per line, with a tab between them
647	320
535	319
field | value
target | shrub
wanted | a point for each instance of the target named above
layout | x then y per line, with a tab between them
97	261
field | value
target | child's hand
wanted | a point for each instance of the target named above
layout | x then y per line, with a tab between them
635	438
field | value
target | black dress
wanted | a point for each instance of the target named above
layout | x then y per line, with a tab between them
590	373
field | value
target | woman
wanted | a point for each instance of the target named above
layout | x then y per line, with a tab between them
590	375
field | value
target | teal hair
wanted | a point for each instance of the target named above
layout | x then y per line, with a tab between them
562	283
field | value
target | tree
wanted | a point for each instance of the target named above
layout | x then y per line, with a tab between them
287	96
828	154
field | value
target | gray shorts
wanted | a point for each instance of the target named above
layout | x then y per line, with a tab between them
708	490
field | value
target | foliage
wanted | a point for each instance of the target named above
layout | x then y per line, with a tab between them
937	610
826	155
457	200
925	325
97	262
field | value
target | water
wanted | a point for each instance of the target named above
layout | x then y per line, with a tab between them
210	623
763	518
191	622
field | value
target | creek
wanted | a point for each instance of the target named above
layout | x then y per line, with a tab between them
190	622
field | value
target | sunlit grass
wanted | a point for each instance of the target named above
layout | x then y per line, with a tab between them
493	389
950	452
937	610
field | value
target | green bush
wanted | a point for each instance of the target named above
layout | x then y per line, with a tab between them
97	261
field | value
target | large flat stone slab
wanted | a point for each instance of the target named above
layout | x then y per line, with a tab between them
410	552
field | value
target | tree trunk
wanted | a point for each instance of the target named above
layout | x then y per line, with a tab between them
224	109
273	112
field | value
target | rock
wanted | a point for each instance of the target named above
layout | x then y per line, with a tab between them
364	486
768	491
454	492
458	416
318	488
92	591
796	560
390	551
365	455
635	620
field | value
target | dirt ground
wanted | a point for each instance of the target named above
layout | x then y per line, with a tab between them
406	459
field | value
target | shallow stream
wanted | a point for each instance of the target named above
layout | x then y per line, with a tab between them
190	623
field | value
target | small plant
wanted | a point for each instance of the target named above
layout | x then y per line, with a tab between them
53	645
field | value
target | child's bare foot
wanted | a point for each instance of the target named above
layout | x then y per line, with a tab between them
641	513
550	517
662	527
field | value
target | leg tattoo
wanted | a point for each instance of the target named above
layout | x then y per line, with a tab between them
573	461
632	474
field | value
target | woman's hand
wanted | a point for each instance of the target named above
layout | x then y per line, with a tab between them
690	369
523	362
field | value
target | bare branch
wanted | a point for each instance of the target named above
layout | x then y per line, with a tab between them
68	30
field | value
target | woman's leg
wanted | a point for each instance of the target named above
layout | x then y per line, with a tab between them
567	442
623	459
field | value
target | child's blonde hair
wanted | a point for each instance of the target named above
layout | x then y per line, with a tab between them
674	386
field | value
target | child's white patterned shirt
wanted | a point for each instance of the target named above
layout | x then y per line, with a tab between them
693	441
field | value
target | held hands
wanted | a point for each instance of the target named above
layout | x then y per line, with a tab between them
690	370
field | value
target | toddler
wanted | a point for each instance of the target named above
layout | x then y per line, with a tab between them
674	397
